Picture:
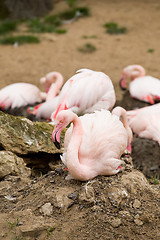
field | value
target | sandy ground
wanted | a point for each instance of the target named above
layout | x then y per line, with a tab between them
28	63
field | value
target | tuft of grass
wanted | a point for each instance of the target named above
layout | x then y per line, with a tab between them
92	36
69	14
113	28
48	25
54	20
7	26
87	48
19	39
60	31
50	230
71	3
39	26
155	180
151	50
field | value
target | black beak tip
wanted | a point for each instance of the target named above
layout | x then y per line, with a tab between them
57	144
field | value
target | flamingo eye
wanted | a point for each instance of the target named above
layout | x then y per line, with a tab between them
61	121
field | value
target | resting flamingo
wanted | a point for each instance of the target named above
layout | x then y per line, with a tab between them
144	88
88	91
145	122
21	94
93	143
84	92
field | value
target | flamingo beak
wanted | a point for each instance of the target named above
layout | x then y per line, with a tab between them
123	84
56	135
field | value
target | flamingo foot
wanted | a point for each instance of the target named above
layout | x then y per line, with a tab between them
150	99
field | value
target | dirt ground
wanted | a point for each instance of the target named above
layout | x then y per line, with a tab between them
96	218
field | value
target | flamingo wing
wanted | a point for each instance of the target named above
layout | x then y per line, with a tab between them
18	95
146	89
90	91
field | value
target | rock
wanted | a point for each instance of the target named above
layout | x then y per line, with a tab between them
62	200
12	164
73	196
116	222
22	136
136	203
87	195
47	209
118	196
138	222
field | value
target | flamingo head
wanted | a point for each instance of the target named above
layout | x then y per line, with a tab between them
61	121
48	80
123	82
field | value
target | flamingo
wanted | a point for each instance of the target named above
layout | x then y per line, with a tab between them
93	143
145	122
21	94
144	88
84	92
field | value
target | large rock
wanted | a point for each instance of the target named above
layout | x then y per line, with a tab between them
21	136
12	164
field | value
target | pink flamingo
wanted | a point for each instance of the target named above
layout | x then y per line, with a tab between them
144	88
94	143
145	122
21	94
84	92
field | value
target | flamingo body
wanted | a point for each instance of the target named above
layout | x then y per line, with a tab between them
145	122
144	88
93	144
86	92
20	94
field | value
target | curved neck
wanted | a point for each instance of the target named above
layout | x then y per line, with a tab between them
55	87
73	162
121	113
137	71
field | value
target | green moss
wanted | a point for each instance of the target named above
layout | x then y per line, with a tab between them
7	26
113	28
151	50
69	14
39	26
54	20
19	39
87	48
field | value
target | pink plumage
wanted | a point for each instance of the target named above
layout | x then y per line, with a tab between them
21	94
144	88
145	122
86	92
94	143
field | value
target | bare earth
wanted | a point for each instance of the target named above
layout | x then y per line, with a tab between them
89	213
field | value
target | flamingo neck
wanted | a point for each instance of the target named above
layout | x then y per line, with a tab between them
121	113
73	161
137	71
55	87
